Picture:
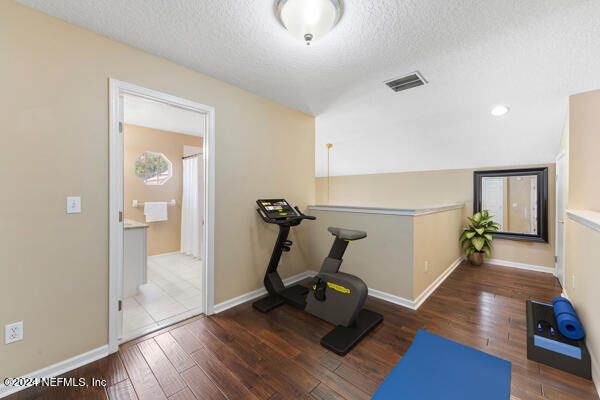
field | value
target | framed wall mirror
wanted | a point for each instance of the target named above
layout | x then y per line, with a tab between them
518	201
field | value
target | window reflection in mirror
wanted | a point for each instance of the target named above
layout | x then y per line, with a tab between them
512	200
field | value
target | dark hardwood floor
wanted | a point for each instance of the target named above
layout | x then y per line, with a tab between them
244	354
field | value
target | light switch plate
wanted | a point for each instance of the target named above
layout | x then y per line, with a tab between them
73	205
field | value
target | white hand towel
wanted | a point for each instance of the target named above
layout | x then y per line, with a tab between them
155	211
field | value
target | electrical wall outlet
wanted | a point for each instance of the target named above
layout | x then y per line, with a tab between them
426	266
13	332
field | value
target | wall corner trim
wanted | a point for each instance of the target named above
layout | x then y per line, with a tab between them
415	304
589	218
512	264
434	285
595	370
59	368
595	365
227	304
388	211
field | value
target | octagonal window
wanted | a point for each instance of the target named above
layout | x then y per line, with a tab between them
153	168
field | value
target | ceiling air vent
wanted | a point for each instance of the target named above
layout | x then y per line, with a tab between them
409	81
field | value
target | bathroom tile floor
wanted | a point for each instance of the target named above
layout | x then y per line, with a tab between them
173	293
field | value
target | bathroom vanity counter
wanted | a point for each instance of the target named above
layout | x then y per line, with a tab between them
131	224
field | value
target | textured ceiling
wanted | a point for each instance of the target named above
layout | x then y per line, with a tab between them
529	54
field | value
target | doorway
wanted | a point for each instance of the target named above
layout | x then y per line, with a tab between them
493	194
161	211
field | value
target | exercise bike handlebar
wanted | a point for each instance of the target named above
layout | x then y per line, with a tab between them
288	220
304	216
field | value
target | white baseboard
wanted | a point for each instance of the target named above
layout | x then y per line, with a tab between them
420	299
415	304
227	304
513	264
401	301
59	368
595	369
434	285
303	275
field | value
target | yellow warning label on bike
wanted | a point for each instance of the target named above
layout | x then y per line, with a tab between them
338	287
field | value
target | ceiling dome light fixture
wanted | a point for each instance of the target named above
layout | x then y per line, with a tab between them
309	20
500	110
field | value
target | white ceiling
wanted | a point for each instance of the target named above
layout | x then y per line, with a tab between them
152	114
529	54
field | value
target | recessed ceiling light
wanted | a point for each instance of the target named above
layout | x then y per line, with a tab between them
308	20
500	110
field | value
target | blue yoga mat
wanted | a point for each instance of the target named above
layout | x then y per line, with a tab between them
436	368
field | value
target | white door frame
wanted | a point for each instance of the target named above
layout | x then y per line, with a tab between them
116	90
562	165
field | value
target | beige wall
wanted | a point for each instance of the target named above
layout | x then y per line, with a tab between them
582	242
518	205
54	108
392	256
384	259
432	188
399	190
583	262
584	142
435	242
163	236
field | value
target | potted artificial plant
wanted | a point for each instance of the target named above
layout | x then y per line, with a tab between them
476	239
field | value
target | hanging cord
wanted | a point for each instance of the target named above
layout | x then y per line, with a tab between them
329	146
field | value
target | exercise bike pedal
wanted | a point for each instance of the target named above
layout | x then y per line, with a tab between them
268	303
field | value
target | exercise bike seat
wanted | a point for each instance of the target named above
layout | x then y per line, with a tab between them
347	234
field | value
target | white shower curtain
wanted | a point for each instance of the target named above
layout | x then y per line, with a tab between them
192	206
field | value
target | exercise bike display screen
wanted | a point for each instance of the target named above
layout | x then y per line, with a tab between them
276	208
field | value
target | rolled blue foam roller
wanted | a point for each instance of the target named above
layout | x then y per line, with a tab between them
566	319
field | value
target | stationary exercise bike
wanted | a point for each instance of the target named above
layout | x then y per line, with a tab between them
333	296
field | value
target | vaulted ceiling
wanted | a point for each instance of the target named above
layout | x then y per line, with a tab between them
529	54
